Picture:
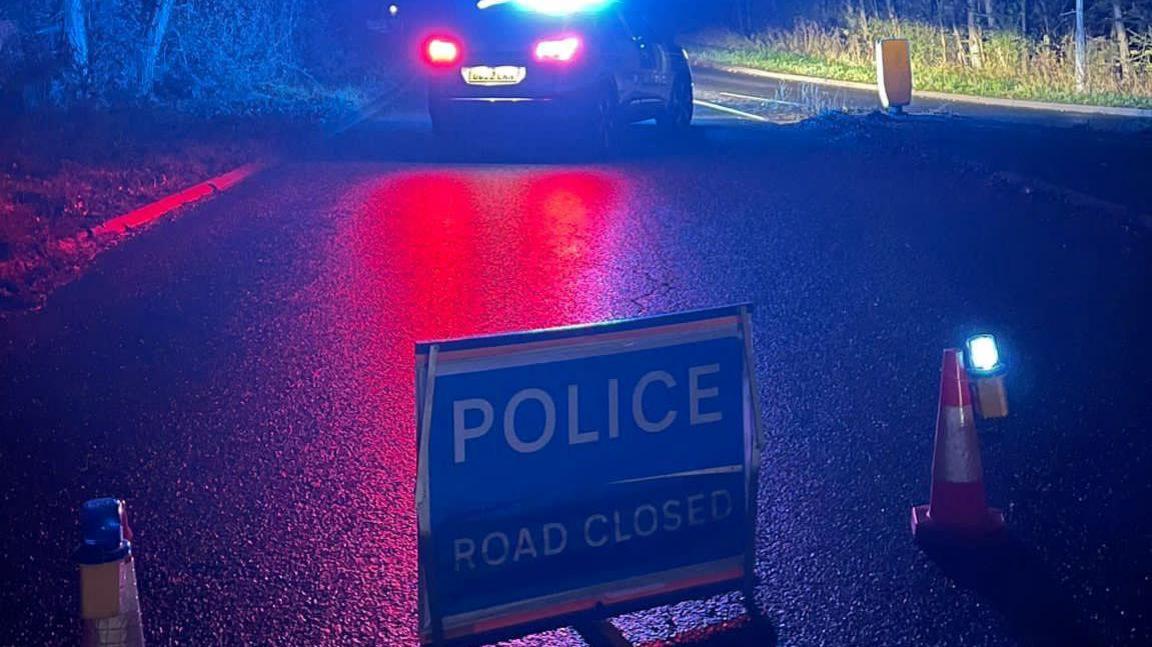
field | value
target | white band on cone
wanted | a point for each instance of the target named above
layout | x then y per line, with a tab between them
959	457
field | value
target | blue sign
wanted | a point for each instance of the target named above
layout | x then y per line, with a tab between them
583	470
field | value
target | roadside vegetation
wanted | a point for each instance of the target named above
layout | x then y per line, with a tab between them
1020	49
301	58
107	105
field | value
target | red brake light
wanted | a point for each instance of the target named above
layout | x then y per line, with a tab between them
561	49
441	51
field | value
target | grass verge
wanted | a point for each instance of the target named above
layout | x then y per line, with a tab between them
63	175
842	60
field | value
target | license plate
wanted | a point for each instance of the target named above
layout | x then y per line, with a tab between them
500	75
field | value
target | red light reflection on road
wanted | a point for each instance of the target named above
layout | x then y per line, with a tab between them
493	250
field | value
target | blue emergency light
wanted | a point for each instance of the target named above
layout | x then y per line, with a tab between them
983	355
550	7
102	532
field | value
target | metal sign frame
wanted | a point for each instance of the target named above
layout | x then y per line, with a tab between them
432	626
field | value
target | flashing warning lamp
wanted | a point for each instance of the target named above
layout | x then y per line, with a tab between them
442	51
109	601
103	532
987	373
560	50
983	355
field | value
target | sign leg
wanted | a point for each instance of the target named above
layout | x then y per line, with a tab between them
601	633
762	627
750	602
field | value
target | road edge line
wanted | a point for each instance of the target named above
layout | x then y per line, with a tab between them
732	111
796	78
1023	104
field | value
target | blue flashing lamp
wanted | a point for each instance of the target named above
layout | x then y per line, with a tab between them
984	355
102	533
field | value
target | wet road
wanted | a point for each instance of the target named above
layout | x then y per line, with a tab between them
243	374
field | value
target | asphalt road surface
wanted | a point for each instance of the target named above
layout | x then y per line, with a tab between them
243	373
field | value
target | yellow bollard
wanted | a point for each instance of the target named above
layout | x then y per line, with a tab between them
894	73
109	605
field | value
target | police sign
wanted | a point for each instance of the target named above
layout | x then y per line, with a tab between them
583	471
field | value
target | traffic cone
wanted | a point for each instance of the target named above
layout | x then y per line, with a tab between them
109	604
957	506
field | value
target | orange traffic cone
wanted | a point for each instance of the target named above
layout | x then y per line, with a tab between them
957	507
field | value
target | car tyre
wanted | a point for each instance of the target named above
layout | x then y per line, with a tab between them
677	115
604	135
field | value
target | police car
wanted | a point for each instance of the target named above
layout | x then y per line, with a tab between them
582	67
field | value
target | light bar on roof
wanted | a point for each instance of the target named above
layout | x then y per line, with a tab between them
550	7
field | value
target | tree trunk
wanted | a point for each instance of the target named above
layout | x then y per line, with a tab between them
744	17
890	6
943	41
76	35
975	46
1044	17
1081	46
1121	31
989	14
960	53
156	31
1026	58
864	21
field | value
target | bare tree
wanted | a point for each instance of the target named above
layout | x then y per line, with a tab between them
975	46
1081	46
76	36
1044	17
743	15
156	31
989	14
863	17
960	53
1026	59
1121	33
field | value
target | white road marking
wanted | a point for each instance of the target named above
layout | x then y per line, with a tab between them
724	469
755	98
731	111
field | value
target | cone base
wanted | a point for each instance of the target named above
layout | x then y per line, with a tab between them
927	529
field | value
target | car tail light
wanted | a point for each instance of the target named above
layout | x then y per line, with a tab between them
442	51
560	50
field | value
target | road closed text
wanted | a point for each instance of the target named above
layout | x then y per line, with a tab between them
528	420
597	530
